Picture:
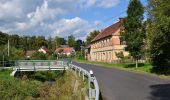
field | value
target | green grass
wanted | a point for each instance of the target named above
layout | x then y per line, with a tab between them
143	67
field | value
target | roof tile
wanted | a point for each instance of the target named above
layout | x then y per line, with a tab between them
109	30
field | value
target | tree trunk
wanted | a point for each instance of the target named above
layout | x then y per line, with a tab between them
136	63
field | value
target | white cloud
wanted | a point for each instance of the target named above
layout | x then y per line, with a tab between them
46	17
108	3
75	26
11	8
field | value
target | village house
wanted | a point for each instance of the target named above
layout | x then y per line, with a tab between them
44	50
65	50
105	45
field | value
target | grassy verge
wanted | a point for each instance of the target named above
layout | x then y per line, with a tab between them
143	67
41	86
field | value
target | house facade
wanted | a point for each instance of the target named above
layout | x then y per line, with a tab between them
107	43
65	50
43	50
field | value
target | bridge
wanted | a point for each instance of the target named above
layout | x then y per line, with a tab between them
38	65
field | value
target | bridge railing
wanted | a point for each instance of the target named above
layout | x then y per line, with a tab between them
93	93
40	64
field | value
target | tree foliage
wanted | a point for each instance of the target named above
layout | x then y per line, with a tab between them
3	38
59	41
71	41
39	56
79	45
91	36
133	33
159	34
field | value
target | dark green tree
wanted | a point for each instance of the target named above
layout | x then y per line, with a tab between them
3	38
58	41
41	41
14	40
79	44
91	36
32	43
24	43
39	56
133	33
159	33
71	41
50	42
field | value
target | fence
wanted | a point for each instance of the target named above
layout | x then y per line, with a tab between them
40	65
7	63
93	93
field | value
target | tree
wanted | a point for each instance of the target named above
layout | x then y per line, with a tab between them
39	56
32	44
71	41
49	42
79	44
133	33
41	41
24	43
3	38
14	40
120	55
159	35
91	36
59	41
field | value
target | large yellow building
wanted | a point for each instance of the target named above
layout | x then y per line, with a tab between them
106	43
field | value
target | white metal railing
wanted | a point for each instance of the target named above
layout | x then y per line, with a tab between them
35	65
93	93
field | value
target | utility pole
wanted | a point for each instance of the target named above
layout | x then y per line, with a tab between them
8	48
81	50
3	59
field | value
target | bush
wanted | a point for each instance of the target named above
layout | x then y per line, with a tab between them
39	56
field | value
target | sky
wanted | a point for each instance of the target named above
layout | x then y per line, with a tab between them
60	17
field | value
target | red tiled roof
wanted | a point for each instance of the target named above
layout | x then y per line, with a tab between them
109	30
65	50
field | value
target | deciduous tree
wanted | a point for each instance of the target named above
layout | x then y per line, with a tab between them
91	36
159	32
133	34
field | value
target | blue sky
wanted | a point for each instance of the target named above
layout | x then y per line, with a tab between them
59	17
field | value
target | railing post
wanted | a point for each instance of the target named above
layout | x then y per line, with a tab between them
90	88
83	76
34	66
79	72
49	65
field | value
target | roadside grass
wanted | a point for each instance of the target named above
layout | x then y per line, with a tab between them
145	68
37	86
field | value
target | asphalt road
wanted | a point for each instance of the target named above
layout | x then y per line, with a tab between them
122	85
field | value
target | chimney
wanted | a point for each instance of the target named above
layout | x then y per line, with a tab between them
121	20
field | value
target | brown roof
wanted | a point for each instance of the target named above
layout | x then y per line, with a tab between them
30	52
109	30
65	50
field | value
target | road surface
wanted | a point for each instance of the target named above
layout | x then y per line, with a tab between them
122	85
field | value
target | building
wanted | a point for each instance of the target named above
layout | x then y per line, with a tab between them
104	46
43	50
65	50
29	53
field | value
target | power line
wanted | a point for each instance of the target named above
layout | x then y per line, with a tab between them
111	18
